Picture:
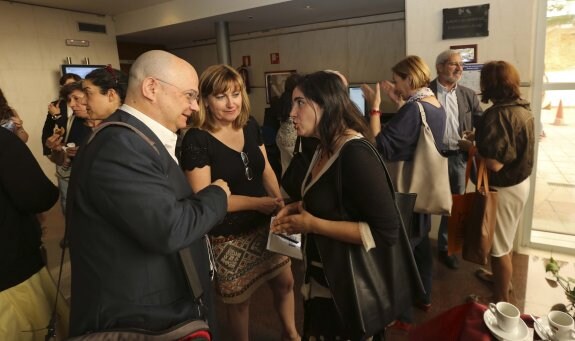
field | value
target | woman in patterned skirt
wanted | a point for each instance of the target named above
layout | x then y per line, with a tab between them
225	143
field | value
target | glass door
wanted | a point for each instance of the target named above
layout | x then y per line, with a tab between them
553	210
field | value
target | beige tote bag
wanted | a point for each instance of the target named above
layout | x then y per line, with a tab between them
426	174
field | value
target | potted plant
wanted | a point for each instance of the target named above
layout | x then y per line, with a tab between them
567	283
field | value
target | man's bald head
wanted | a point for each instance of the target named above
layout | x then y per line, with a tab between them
340	75
159	64
163	87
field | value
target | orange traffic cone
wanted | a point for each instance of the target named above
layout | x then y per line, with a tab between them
559	114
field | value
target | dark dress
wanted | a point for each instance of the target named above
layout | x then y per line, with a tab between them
200	149
239	241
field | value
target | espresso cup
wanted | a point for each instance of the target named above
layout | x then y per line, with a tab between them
507	315
561	325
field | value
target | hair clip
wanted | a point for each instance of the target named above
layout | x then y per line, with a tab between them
112	73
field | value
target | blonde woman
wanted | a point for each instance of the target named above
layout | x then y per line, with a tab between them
225	143
398	139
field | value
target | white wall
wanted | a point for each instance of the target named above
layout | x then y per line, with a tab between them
363	49
32	48
511	33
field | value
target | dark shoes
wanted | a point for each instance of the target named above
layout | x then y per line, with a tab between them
450	261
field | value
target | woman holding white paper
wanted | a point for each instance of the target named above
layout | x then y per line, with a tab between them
323	110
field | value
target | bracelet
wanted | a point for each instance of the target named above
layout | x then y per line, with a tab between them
374	112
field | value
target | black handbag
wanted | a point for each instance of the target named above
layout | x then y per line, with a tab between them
371	288
295	173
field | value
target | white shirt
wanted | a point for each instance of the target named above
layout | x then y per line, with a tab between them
166	136
448	100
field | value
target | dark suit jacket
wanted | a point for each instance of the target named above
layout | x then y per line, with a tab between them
130	210
467	104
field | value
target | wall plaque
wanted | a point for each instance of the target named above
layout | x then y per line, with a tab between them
462	22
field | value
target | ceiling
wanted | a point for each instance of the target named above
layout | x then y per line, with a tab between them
281	15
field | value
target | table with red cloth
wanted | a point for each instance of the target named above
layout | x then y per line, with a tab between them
461	323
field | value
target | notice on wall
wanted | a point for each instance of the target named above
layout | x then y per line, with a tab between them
462	22
471	76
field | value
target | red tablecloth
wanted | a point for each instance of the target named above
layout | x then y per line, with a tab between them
460	323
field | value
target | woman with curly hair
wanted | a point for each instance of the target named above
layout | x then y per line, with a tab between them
10	120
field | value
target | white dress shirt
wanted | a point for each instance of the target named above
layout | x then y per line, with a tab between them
166	136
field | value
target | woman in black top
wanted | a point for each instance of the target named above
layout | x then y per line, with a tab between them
225	143
323	110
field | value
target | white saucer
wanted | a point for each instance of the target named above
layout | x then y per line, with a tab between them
543	321
491	322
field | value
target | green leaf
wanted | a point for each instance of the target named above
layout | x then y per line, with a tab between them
552	266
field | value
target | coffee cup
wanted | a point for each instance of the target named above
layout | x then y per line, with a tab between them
69	145
507	315
561	325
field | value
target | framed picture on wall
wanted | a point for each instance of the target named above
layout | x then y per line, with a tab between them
468	52
275	81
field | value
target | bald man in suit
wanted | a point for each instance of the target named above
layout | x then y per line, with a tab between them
131	209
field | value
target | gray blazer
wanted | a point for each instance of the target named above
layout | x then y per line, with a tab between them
130	211
467	104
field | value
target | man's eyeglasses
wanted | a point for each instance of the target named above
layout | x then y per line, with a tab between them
191	95
248	170
454	64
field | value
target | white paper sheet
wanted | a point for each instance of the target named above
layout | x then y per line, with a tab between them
289	245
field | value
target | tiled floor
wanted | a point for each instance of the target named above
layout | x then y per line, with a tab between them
555	186
532	293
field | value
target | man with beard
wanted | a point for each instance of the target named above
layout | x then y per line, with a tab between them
462	107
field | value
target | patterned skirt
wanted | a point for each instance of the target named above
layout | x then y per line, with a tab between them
243	264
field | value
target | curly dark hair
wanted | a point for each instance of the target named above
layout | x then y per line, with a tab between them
67	76
67	89
6	111
339	113
108	78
